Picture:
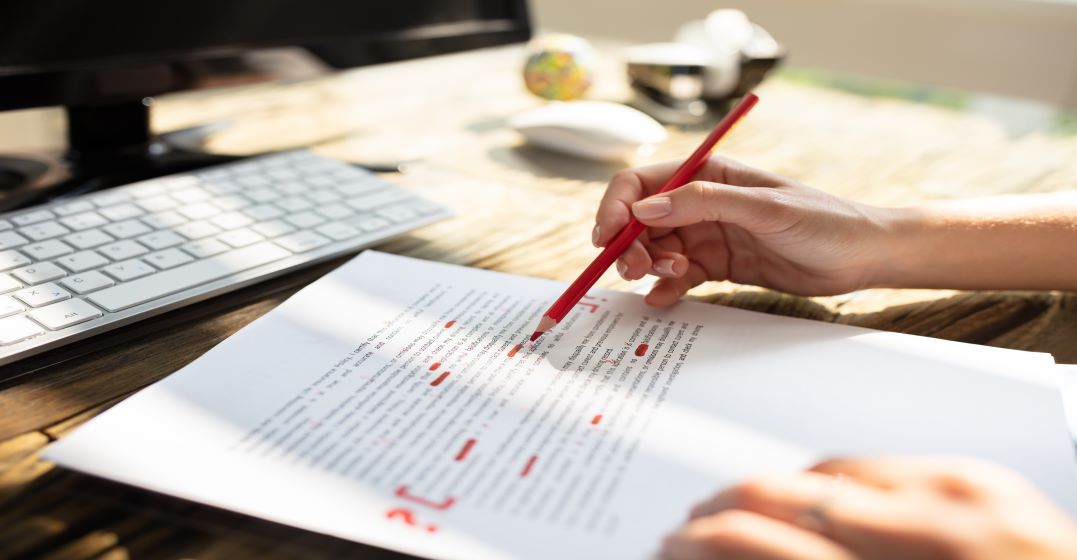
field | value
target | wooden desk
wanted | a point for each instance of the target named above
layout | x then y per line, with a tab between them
521	211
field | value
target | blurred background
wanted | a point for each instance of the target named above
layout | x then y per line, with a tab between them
1015	60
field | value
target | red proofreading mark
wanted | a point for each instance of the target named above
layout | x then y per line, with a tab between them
465	450
641	349
435	365
450	324
402	493
592	306
530	464
409	518
515	349
440	378
596	419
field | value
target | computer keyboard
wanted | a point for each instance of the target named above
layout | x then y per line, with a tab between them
77	267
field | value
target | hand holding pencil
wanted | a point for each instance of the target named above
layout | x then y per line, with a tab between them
628	235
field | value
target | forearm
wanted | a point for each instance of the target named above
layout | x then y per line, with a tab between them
1022	242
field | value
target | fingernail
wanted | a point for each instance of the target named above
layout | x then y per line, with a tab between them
664	267
595	235
622	269
652	208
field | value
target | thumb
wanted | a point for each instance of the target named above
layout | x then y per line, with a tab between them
753	208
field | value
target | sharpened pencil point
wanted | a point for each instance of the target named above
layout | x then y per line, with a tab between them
545	324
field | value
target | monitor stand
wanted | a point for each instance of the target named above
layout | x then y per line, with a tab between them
108	145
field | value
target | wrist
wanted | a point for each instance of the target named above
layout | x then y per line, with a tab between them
899	246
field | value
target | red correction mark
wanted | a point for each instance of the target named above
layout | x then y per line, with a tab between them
440	378
641	349
530	464
596	419
515	349
465	450
435	365
409	518
450	324
402	493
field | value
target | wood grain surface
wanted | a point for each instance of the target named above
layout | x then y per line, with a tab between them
519	210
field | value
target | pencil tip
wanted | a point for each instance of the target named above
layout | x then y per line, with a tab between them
545	324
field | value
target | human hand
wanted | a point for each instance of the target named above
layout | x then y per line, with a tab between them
741	224
879	509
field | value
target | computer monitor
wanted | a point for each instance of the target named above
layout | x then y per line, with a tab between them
102	60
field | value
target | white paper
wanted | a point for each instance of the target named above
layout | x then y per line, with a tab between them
381	404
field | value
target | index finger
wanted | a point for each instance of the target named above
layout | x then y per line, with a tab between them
626	187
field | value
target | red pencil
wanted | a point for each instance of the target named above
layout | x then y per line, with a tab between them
626	236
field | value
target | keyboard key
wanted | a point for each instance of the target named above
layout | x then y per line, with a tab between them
4	224
84	220
7	283
199	211
110	198
187	276
294	204
324	196
38	273
146	188
157	203
263	195
10	240
128	270
161	239
70	208
121	250
44	230
83	260
12	259
180	182
320	181
253	181
375	200
425	207
10	306
302	241
38	296
89	238
273	228
164	220
169	258
121	212
371	223
190	195
335	211
240	237
399	213
231	220
263	212
64	314
87	282
337	231
127	228
196	230
304	220
204	247
223	186
231	202
32	217
18	329
47	249
294	189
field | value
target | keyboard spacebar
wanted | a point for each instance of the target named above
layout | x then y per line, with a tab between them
180	278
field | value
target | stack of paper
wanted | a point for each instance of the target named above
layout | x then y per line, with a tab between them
392	403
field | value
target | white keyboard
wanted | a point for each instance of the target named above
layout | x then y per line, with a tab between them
77	267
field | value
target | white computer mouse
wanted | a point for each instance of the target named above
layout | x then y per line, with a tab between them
597	130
